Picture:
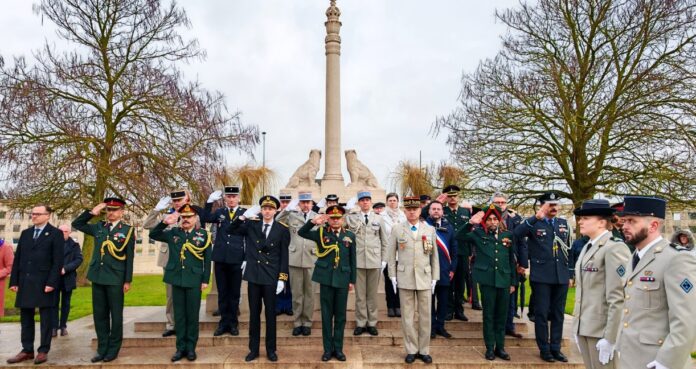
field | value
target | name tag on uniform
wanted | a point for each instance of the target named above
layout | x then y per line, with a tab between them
647	279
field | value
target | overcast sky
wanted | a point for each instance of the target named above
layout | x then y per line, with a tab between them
401	65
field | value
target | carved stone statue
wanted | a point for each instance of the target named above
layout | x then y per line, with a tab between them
304	175
360	175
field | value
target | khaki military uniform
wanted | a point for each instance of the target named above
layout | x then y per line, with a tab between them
600	273
371	241
658	316
153	218
418	267
301	259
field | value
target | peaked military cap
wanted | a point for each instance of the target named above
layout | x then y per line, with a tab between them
549	197
332	197
378	205
231	190
364	194
177	194
269	200
594	207
285	197
451	190
425	197
644	206
305	196
335	211
412	202
187	211
114	203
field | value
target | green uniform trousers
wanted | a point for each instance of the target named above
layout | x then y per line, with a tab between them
334	302
495	303
107	305
188	303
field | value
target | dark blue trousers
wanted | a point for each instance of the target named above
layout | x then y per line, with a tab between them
549	306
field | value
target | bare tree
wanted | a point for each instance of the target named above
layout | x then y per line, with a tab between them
585	97
113	115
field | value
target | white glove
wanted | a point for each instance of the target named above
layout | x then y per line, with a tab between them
280	287
243	266
577	342
163	203
656	365
606	351
252	212
432	287
393	280
321	203
293	204
351	203
384	265
215	196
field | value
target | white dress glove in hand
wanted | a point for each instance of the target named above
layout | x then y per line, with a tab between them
656	365
351	203
215	196
321	203
577	342
393	280
432	287
280	287
384	265
252	212
606	351
293	204
243	267
163	203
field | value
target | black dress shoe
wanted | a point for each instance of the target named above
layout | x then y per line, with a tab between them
326	356
272	356
340	355
530	316
397	311
546	356
391	313
54	332
461	316
449	317
234	331
216	312
426	359
432	334
559	356
297	331
306	331
358	331
97	358
517	316
490	355
289	312
251	356
410	358
63	332
502	354
476	306
219	331
191	356
443	333
513	334
177	356
168	332
372	331
108	358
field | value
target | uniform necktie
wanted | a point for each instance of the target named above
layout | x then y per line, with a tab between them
437	225
305	216
37	232
366	219
413	228
636	259
589	246
265	229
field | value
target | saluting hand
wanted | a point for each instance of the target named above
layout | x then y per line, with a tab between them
442	198
97	209
476	219
543	210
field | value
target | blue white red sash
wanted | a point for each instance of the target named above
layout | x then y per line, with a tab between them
443	247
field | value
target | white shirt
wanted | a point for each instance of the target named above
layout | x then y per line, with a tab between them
270	225
645	249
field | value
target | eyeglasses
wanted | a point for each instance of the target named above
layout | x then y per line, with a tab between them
500	202
38	214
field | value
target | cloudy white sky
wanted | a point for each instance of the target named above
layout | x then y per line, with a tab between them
401	64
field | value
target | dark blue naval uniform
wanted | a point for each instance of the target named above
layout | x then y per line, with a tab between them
549	275
440	308
228	255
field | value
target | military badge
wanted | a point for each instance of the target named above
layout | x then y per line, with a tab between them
175	239
621	271
590	269
686	285
401	242
427	245
647	279
648	272
119	237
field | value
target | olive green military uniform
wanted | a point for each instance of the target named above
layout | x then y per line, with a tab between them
493	270
110	268
334	270
187	268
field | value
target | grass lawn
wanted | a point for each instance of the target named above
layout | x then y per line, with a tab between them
146	290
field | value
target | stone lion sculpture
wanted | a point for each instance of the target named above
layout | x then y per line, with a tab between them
360	175
304	175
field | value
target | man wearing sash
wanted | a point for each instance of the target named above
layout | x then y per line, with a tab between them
110	271
447	255
187	271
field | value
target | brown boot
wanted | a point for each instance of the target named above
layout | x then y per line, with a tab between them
22	356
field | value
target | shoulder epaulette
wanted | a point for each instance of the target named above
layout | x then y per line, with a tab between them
283	224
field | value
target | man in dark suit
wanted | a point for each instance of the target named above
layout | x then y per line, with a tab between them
35	274
72	258
266	272
228	256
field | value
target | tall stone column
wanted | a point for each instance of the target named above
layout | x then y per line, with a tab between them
333	178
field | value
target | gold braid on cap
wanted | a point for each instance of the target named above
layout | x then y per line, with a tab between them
194	250
113	250
327	249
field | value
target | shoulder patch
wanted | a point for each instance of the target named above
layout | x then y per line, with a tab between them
621	271
686	285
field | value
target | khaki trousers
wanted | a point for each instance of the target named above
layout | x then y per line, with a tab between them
367	281
416	342
590	354
302	289
169	310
